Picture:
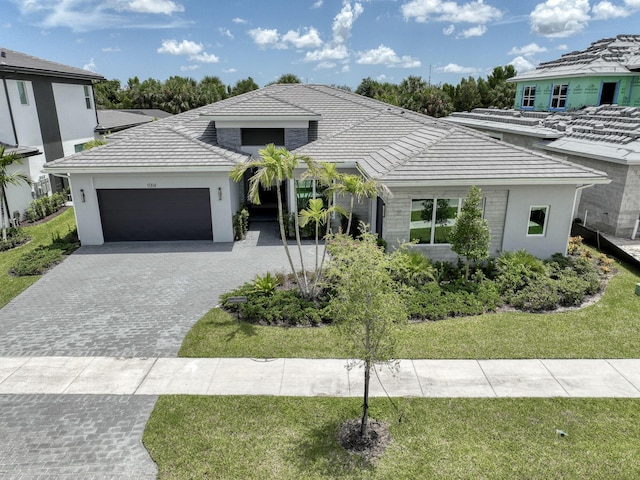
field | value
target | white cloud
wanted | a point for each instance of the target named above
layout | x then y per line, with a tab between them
384	55
560	18
194	51
91	66
87	15
310	39
449	30
343	21
189	68
111	49
229	70
521	64
225	32
381	78
632	3
326	65
204	58
239	20
423	11
186	47
453	68
317	4
606	10
166	7
527	50
562	47
477	31
266	38
337	52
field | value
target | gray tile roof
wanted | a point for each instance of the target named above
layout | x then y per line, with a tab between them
619	55
115	120
12	61
385	141
165	147
608	132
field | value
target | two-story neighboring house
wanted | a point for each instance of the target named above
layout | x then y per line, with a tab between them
608	72
583	107
47	111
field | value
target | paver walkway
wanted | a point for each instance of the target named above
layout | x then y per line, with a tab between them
116	300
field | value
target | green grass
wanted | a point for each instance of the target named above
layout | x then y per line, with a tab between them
295	438
40	235
608	329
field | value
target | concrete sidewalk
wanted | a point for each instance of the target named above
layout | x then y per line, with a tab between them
307	377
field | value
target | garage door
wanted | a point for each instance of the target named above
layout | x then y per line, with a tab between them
158	214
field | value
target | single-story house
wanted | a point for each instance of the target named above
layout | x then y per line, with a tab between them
169	179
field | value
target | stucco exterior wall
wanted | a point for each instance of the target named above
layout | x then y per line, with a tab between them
76	121
559	199
88	213
582	91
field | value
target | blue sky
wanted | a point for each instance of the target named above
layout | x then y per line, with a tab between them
322	41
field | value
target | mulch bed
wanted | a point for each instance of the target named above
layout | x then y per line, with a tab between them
372	446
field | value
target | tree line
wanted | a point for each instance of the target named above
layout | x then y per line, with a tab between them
179	94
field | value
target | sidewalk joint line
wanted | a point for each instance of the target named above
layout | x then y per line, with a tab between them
93	359
621	374
495	394
417	377
554	377
135	391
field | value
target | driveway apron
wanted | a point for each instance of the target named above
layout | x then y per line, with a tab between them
115	300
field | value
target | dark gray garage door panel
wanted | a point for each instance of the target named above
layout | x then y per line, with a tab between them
157	214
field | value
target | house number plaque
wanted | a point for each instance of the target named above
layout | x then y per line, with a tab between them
151	185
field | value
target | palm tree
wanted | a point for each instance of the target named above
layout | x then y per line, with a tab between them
7	179
275	166
358	188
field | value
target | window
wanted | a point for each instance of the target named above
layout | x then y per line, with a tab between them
538	216
22	91
432	225
308	189
528	97
78	147
87	96
262	136
559	96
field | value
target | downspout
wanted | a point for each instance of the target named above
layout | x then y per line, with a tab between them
575	196
13	123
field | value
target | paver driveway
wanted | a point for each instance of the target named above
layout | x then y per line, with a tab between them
120	300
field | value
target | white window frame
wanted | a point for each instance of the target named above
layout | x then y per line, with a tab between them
528	96
87	97
22	92
546	208
558	96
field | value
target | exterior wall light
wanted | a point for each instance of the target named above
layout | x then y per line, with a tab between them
219	193
82	195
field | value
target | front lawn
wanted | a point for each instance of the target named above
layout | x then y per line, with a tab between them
41	235
295	438
609	328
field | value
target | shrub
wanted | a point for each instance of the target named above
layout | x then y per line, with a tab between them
266	284
282	307
240	224
69	243
410	267
516	270
15	238
37	261
538	295
575	245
